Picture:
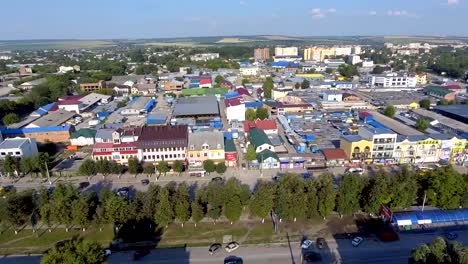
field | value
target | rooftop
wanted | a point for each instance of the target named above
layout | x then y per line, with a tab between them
394	125
443	120
260	124
12	143
229	145
258	137
353	138
55	118
84	132
199	105
334	154
163	136
459	110
214	139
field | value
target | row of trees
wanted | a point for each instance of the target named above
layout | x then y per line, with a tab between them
37	164
440	251
259	113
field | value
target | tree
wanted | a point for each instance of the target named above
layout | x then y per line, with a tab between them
251	153
88	168
75	251
329	70
326	195
221	168
10	119
297	85
262	113
214	195
63	197
19	207
425	103
209	166
262	201
250	114
446	188
376	193
421	124
115	168
390	111
305	84
148	169
347	201
291	200
137	55
164	213
348	71
182	204
439	251
404	188
10	165
378	70
310	187
162	167
197	211
442	102
219	79
103	167
268	87
133	166
80	212
233	209
178	166
28	165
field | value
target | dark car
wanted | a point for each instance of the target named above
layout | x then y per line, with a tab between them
217	179
140	253
306	175
83	185
320	243
233	260
451	236
214	248
123	191
145	181
311	257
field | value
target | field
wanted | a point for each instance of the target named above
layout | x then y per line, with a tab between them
54	44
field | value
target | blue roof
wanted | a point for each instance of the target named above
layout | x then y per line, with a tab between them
48	106
44	109
255	104
150	104
280	64
133	100
14	131
434	216
244	63
102	115
231	95
378	126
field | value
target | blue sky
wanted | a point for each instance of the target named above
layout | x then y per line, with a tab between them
103	19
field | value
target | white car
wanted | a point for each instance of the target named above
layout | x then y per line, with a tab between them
232	246
357	241
107	252
306	244
356	171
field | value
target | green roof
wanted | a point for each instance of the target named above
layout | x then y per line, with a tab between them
258	137
265	155
438	90
205	91
84	132
229	145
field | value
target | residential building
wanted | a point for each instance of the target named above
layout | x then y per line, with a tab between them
25	70
230	152
55	134
138	106
367	63
173	87
259	139
392	80
421	78
268	159
116	151
358	149
5	57
354	59
18	148
343	50
286	51
205	145
235	109
163	143
31	84
249	71
268	126
262	54
318	53
91	87
292	104
83	137
440	92
144	89
332	96
204	57
52	119
383	143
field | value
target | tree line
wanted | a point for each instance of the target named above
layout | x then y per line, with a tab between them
290	198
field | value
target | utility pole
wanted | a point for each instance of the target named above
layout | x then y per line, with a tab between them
424	202
48	174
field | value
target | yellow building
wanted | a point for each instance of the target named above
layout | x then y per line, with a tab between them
421	79
357	148
311	75
206	145
318	53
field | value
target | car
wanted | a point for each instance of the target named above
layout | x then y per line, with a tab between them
230	247
217	179
214	248
145	181
306	175
355	171
320	243
451	235
107	252
83	185
233	260
123	192
241	145
306	244
140	253
357	241
311	257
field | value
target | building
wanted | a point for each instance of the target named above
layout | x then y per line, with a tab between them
332	96
205	145
196	106
144	89
358	149
57	134
262	54
249	71
235	109
204	57
268	159
392	80
367	63
52	119
457	112
440	92
230	152
259	139
318	53
25	70
354	59
383	143
173	87
292	104
163	143
421	78
117	151
18	148
286	51
268	126
83	137
138	106
31	84
91	87
335	157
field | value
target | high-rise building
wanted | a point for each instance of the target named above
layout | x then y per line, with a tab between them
287	51
262	54
318	53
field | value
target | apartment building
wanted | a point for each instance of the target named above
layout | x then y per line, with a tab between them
286	51
262	54
204	57
392	80
111	145
91	87
383	143
205	145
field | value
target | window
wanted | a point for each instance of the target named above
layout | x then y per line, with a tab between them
205	154
183	155
170	156
192	147
198	155
165	156
157	156
191	155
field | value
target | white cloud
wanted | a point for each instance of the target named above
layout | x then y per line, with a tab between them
401	13
373	13
453	2
318	13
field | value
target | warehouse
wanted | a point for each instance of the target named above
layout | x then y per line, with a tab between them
198	106
430	219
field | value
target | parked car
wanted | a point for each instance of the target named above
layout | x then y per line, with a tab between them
107	252
217	179
311	257
451	236
231	246
357	241
140	253
145	181
214	248
355	171
306	175
233	260
320	243
123	192
306	244
83	185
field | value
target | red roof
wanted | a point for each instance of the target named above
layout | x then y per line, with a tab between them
233	101
334	154
68	102
266	124
452	87
71	97
112	145
242	91
205	81
364	114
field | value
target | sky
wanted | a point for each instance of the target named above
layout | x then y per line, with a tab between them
111	19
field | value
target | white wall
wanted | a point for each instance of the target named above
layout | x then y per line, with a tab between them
235	113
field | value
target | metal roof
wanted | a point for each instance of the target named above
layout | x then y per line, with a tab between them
12	143
430	216
200	105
